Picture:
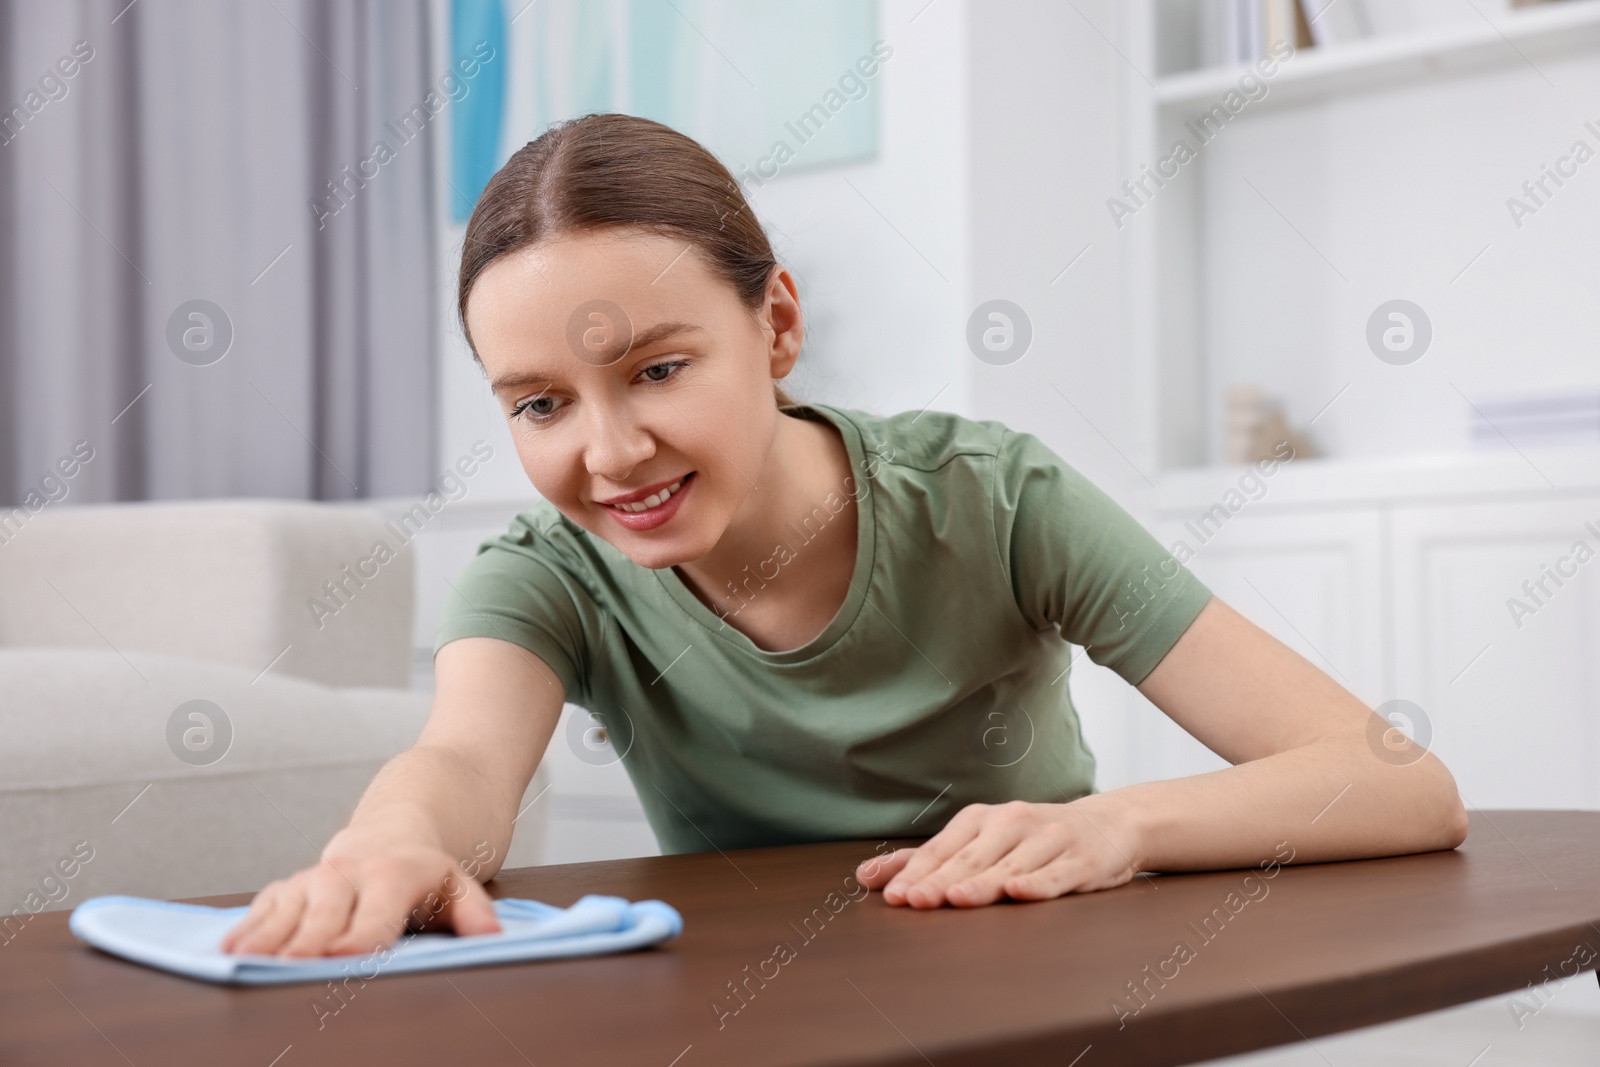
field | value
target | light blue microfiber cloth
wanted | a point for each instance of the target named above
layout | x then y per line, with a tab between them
183	938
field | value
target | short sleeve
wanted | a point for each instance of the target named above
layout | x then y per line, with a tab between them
1078	561
523	587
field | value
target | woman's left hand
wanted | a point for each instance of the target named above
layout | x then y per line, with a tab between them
1018	849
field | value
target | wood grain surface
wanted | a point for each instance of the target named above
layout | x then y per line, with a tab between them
785	959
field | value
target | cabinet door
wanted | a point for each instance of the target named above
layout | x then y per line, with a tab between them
1510	692
1310	578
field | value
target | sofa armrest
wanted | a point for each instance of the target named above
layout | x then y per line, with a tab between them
320	591
92	755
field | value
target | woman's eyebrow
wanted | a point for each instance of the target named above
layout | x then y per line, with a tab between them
654	335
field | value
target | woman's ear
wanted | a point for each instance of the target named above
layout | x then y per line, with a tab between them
781	316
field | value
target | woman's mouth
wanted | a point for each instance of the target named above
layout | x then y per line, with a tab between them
654	509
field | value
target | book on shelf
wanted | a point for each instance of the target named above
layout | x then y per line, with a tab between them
1242	31
1335	22
1570	417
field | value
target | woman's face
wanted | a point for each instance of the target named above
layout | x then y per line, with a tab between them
688	403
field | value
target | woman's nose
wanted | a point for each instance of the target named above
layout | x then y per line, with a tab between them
618	443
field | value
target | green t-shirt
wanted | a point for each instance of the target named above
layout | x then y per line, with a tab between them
941	681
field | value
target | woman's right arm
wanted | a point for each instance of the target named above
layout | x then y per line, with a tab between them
430	809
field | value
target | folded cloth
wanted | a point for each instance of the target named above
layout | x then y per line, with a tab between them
183	938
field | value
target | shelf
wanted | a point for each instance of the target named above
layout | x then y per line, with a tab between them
1461	477
1314	73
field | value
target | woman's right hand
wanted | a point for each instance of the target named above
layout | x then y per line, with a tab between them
368	888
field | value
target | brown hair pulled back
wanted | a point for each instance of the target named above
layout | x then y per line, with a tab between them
608	169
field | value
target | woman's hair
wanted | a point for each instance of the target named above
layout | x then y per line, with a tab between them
612	170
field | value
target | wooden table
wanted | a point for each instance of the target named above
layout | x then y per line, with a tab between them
1311	950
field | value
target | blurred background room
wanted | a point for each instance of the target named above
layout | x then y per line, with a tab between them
1308	287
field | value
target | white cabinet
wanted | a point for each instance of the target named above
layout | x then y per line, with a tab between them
1312	579
1511	694
1469	586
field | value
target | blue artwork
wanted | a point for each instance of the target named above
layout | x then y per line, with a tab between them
477	30
770	86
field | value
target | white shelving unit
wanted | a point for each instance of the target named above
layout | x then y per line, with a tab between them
1395	571
1378	63
1166	272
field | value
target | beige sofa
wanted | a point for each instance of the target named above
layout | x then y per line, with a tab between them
115	619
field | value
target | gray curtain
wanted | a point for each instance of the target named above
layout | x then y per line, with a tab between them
187	157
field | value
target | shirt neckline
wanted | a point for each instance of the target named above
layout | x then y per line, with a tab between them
866	551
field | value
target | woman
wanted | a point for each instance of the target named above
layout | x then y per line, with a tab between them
800	622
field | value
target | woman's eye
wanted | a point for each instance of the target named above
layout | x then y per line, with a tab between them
533	411
667	369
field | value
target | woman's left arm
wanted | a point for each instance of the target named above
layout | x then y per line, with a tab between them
1313	767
